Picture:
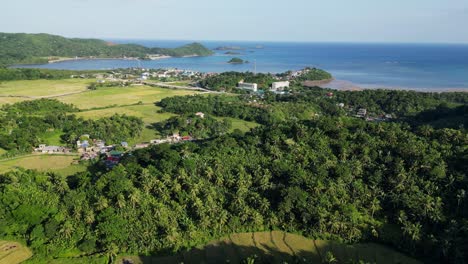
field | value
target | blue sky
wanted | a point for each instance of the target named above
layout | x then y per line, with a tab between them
266	20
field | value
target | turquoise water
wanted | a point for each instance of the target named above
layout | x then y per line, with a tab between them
419	66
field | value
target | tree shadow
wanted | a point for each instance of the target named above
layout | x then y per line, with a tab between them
223	252
314	252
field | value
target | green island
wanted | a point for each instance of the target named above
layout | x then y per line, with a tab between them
20	48
237	61
313	175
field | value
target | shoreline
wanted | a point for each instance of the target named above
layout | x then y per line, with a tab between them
82	58
336	84
150	58
344	85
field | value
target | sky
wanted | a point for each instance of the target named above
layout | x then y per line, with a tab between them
412	21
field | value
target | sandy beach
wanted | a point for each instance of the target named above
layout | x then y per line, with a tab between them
344	85
88	58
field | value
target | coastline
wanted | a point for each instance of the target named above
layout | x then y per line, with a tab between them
87	58
150	57
344	85
317	83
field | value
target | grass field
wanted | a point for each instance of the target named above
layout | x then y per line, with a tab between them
147	112
52	138
109	96
39	162
13	252
279	247
11	100
39	88
240	124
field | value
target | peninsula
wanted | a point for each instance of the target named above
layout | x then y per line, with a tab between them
20	48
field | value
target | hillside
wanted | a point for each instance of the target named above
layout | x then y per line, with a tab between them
35	48
310	167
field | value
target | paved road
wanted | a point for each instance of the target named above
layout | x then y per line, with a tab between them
43	97
172	86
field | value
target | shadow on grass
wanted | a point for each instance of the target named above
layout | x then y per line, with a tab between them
223	252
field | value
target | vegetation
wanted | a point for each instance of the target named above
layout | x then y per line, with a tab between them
310	168
237	61
35	48
399	103
314	74
10	74
225	106
41	106
228	80
26	122
269	178
194	126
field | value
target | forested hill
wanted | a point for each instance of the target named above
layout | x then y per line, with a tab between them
35	48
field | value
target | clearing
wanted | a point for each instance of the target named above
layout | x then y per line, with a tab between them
116	96
31	89
42	162
279	247
13	252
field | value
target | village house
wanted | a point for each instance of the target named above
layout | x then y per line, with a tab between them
43	148
362	112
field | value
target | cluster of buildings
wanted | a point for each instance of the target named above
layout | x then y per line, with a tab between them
295	74
142	74
91	149
175	138
44	149
363	113
279	87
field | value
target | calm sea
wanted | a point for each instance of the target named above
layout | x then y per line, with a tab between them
416	66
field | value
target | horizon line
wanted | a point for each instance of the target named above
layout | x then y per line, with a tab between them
259	41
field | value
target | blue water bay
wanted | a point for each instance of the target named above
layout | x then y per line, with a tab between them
421	66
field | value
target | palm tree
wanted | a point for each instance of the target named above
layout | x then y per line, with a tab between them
89	217
67	229
101	203
120	201
134	197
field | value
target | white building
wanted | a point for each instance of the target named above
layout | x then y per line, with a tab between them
158	141
279	86
248	86
51	149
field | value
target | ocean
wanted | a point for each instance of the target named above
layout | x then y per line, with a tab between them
353	65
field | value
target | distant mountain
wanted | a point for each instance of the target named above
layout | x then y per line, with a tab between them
37	48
